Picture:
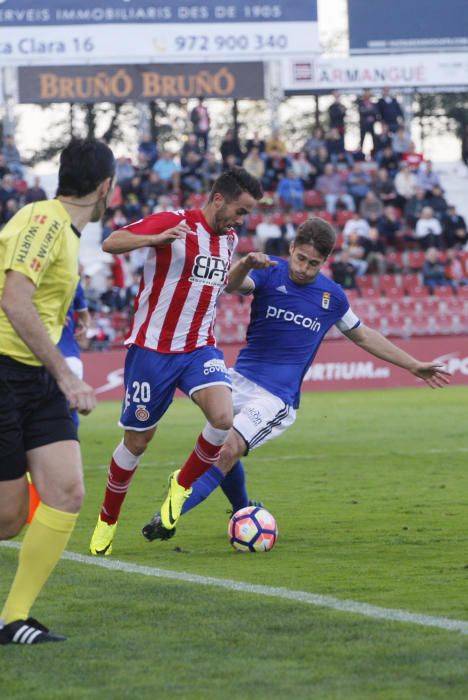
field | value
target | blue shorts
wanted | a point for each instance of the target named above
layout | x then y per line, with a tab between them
151	379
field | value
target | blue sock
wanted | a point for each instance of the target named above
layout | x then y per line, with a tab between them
234	487
202	487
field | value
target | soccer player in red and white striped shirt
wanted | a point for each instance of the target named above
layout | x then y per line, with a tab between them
171	342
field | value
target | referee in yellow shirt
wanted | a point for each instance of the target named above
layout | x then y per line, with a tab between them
39	250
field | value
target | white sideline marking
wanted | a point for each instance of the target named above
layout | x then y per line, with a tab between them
322	601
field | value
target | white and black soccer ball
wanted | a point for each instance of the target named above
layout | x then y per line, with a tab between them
252	529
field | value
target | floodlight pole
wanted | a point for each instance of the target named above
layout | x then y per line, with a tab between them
273	90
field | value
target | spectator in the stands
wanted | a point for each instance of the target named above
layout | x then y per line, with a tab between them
356	226
132	192
152	189
4	169
8	189
428	231
288	232
164	204
437	201
111	299
368	115
414	207
200	118
132	290
254	163
148	148
358	183
11	206
390	111
388	160
337	115
382	139
320	160
304	170
413	158
433	271
336	150
35	193
343	271
91	293
268	236
275	144
290	190
230	146
168	170
427	177
12	156
456	269
142	167
124	169
189	146
107	227
119	219
401	142
314	142
384	187
374	252
191	177
389	226
255	142
211	169
405	185
333	189
454	229
352	244
275	168
371	208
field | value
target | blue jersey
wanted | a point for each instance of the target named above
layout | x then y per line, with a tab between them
288	322
67	343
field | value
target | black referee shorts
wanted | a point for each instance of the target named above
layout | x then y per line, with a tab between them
33	413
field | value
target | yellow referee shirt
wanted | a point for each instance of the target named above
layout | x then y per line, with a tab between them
41	243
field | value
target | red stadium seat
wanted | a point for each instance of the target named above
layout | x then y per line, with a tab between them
416	259
278	218
246	245
410	282
443	292
325	215
313	200
197	200
366	282
298	217
342	217
254	218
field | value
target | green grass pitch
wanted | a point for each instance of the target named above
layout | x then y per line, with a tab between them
370	492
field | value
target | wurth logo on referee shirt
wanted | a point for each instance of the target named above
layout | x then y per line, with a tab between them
209	269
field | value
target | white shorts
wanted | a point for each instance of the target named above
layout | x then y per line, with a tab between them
259	416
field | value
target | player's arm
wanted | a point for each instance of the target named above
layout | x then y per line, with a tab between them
238	278
125	240
17	304
376	344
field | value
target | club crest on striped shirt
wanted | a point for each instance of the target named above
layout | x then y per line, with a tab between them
326	300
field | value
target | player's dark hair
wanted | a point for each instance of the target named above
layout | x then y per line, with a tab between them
318	233
84	164
233	183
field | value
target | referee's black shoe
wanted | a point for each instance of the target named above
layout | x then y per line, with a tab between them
155	530
28	631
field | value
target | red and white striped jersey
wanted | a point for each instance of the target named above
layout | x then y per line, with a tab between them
176	305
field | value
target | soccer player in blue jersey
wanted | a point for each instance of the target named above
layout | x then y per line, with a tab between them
75	327
294	305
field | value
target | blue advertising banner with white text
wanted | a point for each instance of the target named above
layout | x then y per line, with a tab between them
405	26
70	32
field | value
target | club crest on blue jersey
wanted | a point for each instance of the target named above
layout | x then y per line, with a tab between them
326	300
142	413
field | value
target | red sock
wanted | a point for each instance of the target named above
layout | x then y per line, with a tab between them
118	482
202	458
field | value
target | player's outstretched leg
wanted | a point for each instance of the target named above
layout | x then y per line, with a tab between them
121	470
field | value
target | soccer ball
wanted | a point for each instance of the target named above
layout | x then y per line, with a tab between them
252	529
